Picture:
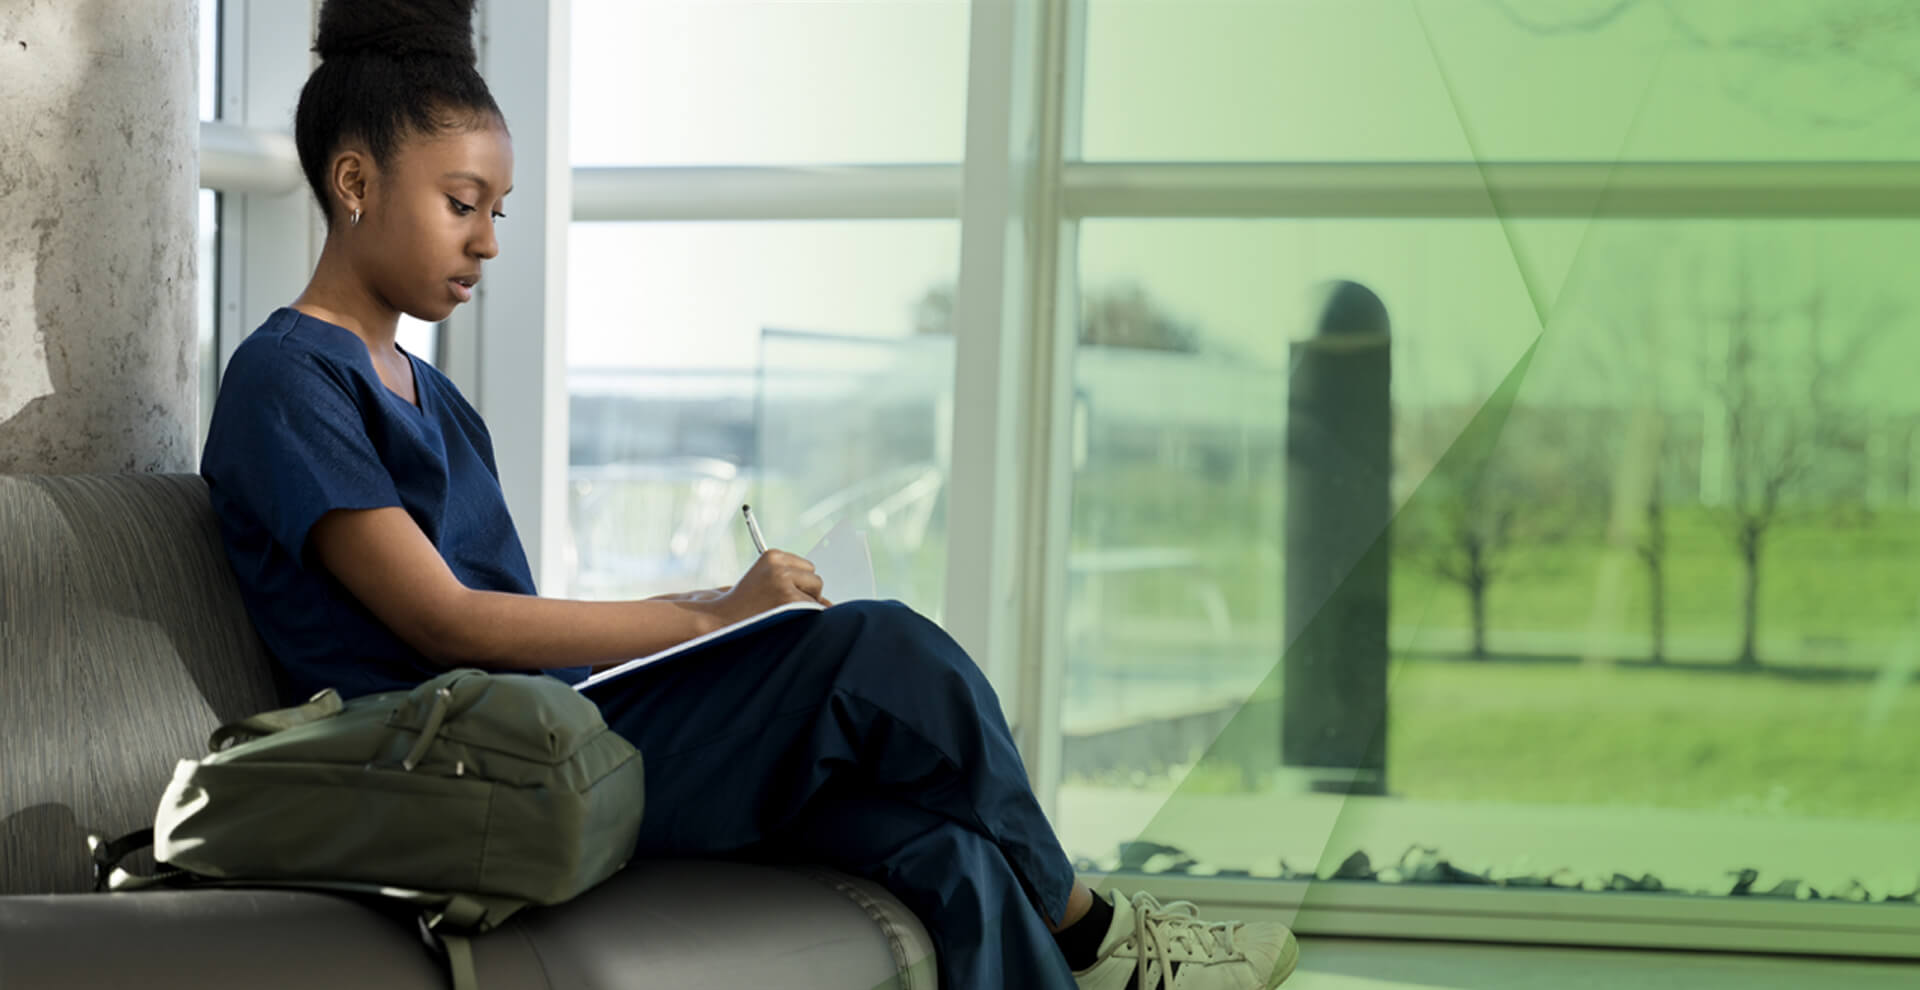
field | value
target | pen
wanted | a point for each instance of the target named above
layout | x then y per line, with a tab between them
753	529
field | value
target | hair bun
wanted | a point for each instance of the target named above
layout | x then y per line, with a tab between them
397	28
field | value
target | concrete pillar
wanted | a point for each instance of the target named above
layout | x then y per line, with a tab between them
98	134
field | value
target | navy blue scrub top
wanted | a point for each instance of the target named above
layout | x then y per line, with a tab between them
303	426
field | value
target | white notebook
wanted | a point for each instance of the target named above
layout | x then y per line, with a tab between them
845	566
722	633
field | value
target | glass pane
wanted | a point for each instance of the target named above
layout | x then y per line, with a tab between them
208	239
854	431
1577	80
209	60
711	364
418	337
751	82
1646	610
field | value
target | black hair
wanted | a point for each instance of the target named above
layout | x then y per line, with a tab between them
389	69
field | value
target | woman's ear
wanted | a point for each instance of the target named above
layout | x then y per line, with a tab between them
349	178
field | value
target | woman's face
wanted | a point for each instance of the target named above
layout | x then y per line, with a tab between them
429	219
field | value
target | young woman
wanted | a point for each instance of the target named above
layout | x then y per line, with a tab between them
361	509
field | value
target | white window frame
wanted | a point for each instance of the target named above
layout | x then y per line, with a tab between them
270	230
1019	196
519	316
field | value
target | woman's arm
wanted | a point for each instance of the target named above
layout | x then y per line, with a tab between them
703	595
385	561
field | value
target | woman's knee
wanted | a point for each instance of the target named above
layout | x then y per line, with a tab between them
905	642
872	611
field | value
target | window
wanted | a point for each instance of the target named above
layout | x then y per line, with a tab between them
711	363
208	308
766	82
418	338
1568	692
800	364
209	84
1496	80
1649	619
208	229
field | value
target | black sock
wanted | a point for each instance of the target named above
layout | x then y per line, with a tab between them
1080	941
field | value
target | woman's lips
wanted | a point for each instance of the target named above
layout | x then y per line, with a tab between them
460	290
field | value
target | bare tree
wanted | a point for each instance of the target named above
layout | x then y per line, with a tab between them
1492	479
1785	61
1776	376
1465	534
1768	447
1651	548
1642	457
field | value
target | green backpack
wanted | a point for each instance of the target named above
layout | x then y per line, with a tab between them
470	796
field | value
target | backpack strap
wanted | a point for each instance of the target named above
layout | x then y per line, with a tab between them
467	914
438	912
460	962
108	853
325	704
436	717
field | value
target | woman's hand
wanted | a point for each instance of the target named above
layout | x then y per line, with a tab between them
775	579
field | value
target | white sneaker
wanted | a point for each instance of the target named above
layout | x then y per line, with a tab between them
1210	955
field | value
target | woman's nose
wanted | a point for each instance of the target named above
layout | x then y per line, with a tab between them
486	245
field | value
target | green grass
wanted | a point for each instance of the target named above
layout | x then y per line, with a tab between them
1649	738
1836	591
1752	744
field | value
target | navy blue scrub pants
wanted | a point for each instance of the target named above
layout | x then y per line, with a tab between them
863	738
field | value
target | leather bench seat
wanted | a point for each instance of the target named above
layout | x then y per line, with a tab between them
123	643
658	924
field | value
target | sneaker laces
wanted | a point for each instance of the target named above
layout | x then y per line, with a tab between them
1158	929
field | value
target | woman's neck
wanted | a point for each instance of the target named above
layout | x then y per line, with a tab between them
336	295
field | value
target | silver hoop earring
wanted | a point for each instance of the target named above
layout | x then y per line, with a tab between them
355	219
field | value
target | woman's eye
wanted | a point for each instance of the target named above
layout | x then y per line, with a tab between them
459	207
499	216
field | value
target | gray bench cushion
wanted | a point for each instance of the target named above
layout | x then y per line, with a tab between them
123	642
666	925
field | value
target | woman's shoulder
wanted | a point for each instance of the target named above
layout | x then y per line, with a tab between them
289	348
283	382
